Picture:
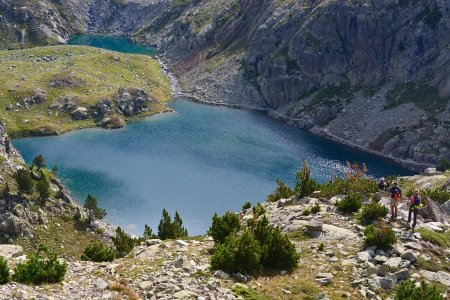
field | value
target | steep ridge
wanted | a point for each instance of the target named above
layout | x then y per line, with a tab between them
373	74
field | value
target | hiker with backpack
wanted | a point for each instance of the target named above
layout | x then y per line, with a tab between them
414	205
382	184
396	196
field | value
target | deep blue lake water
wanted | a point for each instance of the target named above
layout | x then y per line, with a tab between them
199	160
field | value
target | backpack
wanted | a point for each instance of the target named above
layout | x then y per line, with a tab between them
395	193
415	200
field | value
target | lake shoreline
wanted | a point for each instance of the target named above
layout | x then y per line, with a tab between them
408	164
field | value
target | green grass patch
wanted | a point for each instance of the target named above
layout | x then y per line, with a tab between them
95	74
441	239
421	94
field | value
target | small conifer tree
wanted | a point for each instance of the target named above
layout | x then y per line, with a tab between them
94	212
39	162
24	181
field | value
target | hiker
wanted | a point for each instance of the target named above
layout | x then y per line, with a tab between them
382	184
414	205
396	195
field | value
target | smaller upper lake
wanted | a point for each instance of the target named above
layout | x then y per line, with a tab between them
112	43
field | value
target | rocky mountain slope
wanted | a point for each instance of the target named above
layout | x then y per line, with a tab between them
333	260
373	74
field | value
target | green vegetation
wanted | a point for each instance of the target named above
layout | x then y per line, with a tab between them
421	94
148	233
355	181
4	271
351	203
342	91
408	291
281	192
224	226
443	165
41	267
371	213
94	212
305	184
441	239
244	292
321	247
85	74
256	248
246	205
306	212
98	252
43	188
258	210
123	242
316	208
24	181
171	230
38	162
379	235
437	195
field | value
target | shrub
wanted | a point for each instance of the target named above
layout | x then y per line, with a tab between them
171	230
77	214
258	210
409	291
224	226
39	162
441	239
439	196
261	246
43	188
237	254
305	185
315	209
24	181
246	205
351	203
321	247
123	242
277	251
98	252
443	165
355	181
41	267
94	212
281	192
4	271
306	212
371	212
379	235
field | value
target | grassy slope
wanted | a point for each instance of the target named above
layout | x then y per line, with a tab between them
101	72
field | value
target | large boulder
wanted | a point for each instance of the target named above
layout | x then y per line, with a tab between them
446	185
80	113
132	101
64	104
105	108
433	211
446	207
9	251
38	96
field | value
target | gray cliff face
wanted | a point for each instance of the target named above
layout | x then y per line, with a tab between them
372	73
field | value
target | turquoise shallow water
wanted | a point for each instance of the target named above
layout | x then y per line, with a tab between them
111	43
198	160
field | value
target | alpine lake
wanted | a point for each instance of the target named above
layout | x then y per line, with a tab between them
197	160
